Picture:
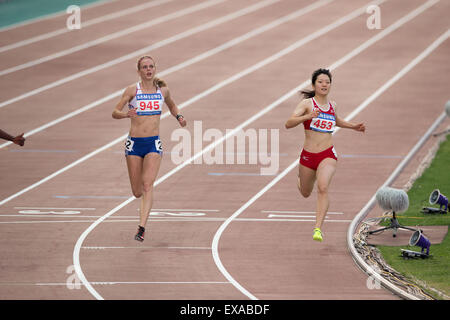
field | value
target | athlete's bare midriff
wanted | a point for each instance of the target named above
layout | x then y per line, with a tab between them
145	126
317	141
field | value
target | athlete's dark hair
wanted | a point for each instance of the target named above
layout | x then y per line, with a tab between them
311	93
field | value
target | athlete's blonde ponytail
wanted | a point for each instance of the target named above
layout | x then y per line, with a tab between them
159	82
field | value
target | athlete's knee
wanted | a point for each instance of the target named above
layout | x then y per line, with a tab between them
137	193
305	193
148	185
322	189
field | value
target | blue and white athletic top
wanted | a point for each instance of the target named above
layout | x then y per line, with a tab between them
147	104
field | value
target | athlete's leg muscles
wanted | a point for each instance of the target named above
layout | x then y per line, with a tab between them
325	172
152	162
306	179
134	164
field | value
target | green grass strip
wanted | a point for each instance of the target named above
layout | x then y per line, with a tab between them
434	271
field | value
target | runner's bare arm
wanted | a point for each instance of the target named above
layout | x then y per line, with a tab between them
301	114
349	125
19	140
172	106
127	96
346	124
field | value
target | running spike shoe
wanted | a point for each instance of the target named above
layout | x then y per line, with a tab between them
317	236
140	234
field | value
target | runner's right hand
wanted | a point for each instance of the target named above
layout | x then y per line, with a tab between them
314	113
132	113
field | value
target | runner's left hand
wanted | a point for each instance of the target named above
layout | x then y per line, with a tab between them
360	127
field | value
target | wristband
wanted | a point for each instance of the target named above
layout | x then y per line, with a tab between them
179	116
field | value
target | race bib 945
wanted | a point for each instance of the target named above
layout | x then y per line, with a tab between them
148	104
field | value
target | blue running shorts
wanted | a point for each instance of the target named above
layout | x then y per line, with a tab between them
142	146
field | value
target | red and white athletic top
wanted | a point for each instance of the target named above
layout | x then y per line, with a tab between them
147	104
325	122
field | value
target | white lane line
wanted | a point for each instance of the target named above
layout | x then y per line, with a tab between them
112	36
167	219
209	91
143	247
322	31
100	283
155	213
205	210
366	209
84	24
361	107
53	208
94	217
371	203
370	156
247	174
43	150
184	64
293	216
89	197
144	50
45	216
297	212
56	221
52	15
77	248
287	220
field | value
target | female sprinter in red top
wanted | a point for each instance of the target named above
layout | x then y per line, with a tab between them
143	150
318	158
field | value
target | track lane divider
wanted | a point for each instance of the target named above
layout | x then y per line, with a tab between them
209	91
112	36
294	164
86	23
219	264
184	64
145	50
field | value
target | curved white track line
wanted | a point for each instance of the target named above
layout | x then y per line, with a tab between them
209	91
369	205
365	45
76	250
366	209
289	49
273	105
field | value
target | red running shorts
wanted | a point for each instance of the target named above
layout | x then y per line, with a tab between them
312	160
